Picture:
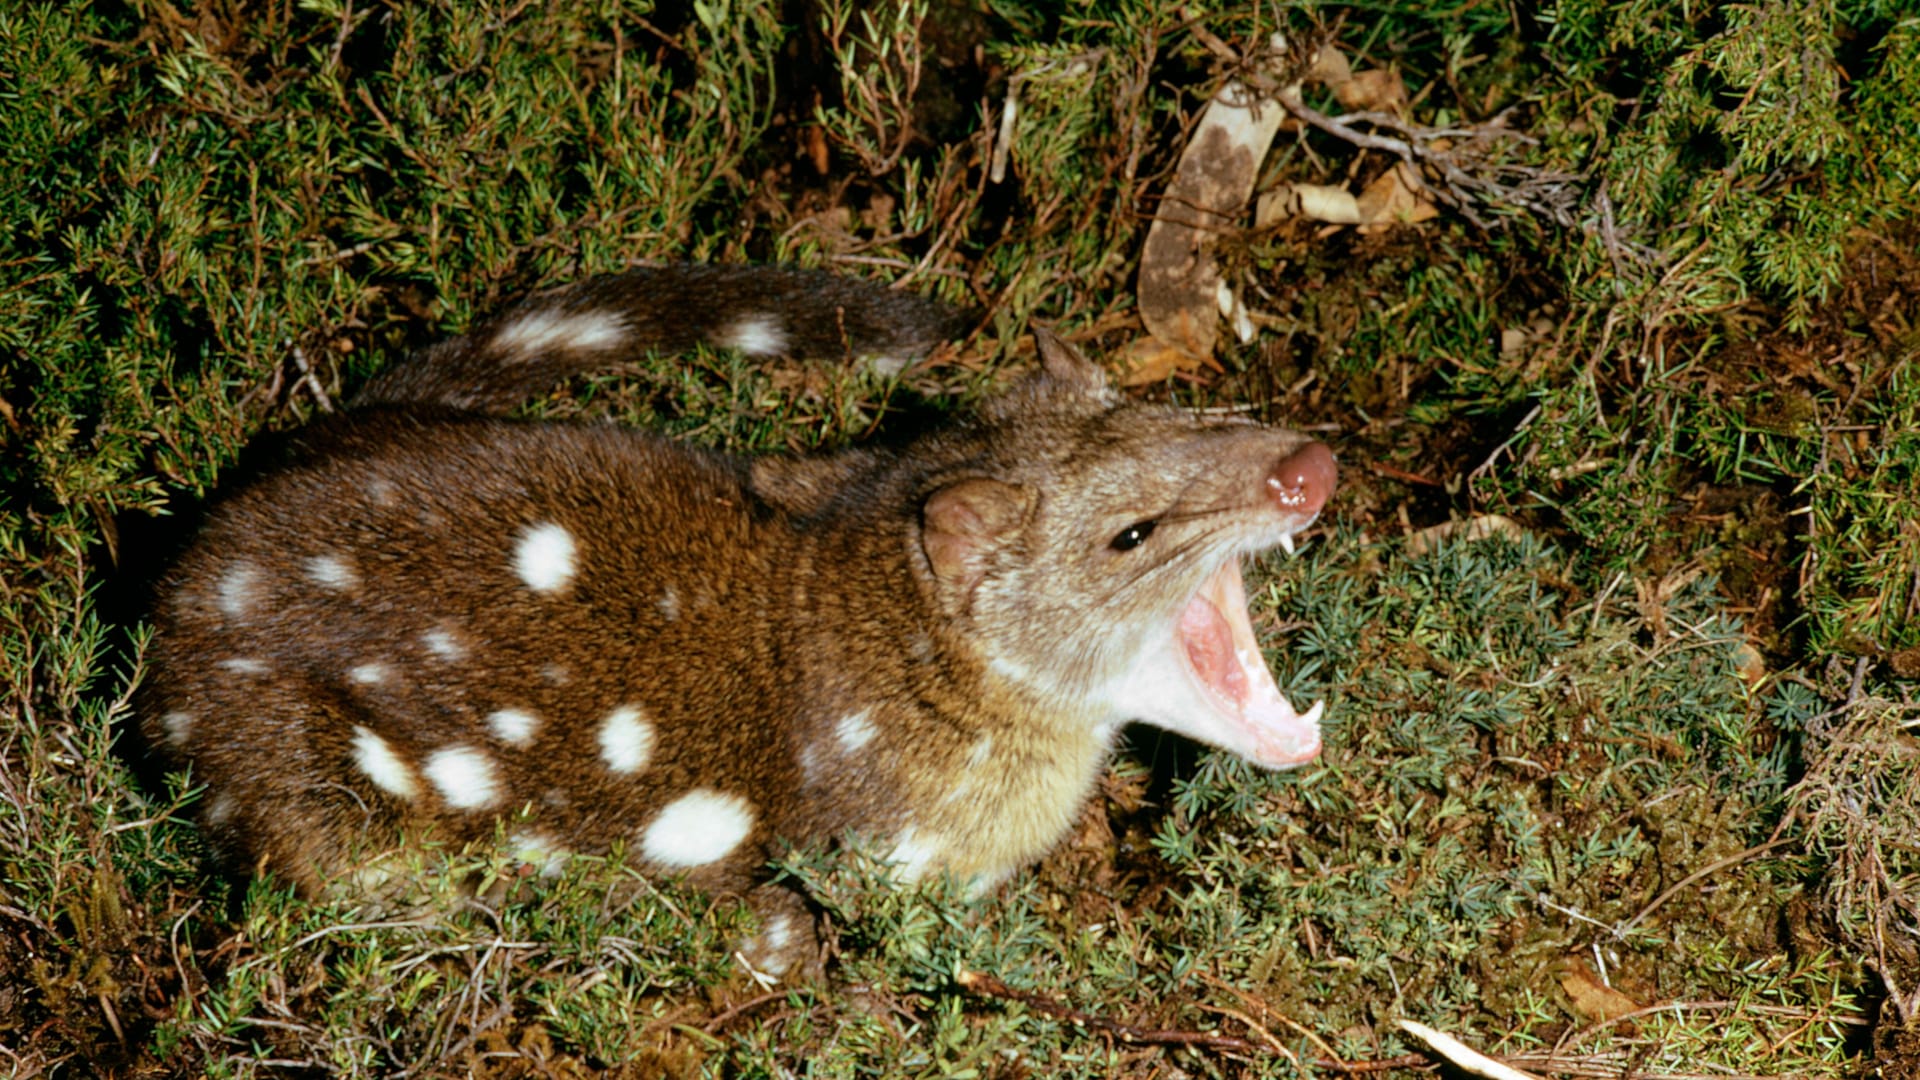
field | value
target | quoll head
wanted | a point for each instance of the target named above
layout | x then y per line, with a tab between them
1092	549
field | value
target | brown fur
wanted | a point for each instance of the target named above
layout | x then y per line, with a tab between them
920	646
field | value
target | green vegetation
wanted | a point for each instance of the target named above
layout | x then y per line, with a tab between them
1648	740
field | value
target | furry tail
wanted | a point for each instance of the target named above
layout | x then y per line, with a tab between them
760	310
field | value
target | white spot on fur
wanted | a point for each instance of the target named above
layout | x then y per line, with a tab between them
538	849
854	731
220	810
382	766
332	572
543	557
244	665
543	330
371	879
912	855
177	726
810	762
755	335
557	674
777	934
443	644
381	492
464	776
238	589
668	604
513	726
626	739
368	674
765	954
700	827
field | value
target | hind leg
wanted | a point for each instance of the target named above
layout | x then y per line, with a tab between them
787	944
296	783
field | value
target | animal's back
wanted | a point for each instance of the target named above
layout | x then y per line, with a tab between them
540	603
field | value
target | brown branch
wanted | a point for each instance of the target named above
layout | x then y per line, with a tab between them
714	1025
1402	475
1460	176
985	985
1705	871
1330	1060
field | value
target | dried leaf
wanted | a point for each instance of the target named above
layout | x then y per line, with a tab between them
1317	202
1396	196
1149	360
1179	278
1471	530
1273	206
1749	664
1593	999
815	139
1236	313
1381	89
1330	66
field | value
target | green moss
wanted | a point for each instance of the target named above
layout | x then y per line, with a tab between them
217	226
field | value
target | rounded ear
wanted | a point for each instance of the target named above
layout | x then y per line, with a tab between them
1067	368
963	523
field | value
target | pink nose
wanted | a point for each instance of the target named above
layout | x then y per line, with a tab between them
1304	479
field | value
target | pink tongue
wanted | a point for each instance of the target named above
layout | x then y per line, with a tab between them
1209	642
1223	654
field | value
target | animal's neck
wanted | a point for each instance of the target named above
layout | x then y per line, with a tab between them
1005	796
986	765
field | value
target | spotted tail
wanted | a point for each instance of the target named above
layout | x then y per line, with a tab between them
760	310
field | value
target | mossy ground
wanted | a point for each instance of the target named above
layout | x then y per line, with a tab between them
1642	750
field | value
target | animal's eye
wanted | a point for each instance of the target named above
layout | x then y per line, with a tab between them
1133	536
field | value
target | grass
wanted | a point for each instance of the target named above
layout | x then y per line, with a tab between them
1649	740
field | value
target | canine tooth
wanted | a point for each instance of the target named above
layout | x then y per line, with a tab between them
1286	541
1313	715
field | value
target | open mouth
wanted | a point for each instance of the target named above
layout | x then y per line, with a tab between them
1215	640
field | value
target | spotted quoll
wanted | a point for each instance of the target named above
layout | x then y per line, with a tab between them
434	622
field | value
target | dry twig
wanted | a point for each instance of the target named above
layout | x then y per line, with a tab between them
979	982
1456	162
985	985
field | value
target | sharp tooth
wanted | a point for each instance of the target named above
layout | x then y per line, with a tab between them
1286	541
1313	715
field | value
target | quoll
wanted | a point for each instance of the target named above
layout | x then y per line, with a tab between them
430	619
